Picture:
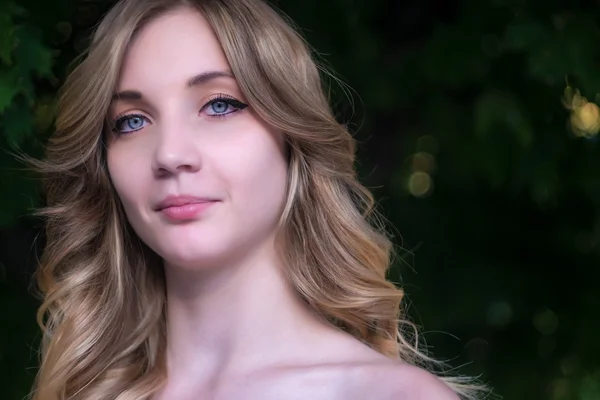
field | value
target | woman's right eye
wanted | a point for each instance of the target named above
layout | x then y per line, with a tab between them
129	123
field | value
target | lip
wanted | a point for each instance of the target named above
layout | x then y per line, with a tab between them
184	207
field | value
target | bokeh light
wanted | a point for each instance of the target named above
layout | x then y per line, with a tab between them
424	162
499	314
545	321
420	184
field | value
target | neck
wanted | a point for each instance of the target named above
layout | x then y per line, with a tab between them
233	318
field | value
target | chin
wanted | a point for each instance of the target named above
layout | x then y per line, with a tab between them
193	254
199	246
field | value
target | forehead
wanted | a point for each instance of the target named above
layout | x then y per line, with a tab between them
171	48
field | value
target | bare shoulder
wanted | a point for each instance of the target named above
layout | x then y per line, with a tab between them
398	381
358	372
375	376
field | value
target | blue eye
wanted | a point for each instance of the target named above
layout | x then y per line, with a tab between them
223	105
129	123
219	107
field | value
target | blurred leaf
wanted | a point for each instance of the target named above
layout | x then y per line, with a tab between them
454	57
6	37
18	123
494	108
44	114
31	55
9	88
525	35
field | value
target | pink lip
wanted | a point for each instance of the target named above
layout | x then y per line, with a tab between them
181	208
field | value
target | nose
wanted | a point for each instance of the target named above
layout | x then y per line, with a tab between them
175	152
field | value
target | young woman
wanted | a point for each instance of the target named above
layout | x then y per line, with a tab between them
207	235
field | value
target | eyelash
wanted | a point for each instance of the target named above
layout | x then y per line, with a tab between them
229	100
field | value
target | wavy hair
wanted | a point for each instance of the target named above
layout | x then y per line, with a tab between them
103	315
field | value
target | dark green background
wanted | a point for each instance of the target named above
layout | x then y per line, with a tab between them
500	258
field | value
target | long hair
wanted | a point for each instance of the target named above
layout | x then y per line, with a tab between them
103	315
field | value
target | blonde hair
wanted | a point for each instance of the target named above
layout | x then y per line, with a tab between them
104	294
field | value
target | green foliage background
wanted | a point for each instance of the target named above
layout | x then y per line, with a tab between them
458	103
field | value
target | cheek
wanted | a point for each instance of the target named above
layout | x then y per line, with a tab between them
125	179
261	175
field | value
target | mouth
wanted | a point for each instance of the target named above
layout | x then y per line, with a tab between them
182	208
182	201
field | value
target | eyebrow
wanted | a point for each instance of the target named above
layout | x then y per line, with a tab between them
196	80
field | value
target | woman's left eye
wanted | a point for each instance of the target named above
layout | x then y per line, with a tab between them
222	106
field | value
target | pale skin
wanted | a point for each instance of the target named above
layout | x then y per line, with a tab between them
236	329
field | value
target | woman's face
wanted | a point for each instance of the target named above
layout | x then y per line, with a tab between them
201	177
